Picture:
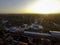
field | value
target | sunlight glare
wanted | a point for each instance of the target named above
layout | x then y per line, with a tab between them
44	6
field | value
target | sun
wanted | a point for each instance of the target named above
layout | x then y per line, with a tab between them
44	7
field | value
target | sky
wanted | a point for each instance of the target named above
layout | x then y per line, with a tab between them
29	6
12	6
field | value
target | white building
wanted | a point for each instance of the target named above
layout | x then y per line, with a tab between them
4	21
55	33
25	26
36	26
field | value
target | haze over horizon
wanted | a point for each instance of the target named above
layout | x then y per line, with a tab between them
30	6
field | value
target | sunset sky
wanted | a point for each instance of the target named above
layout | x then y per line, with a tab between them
30	6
